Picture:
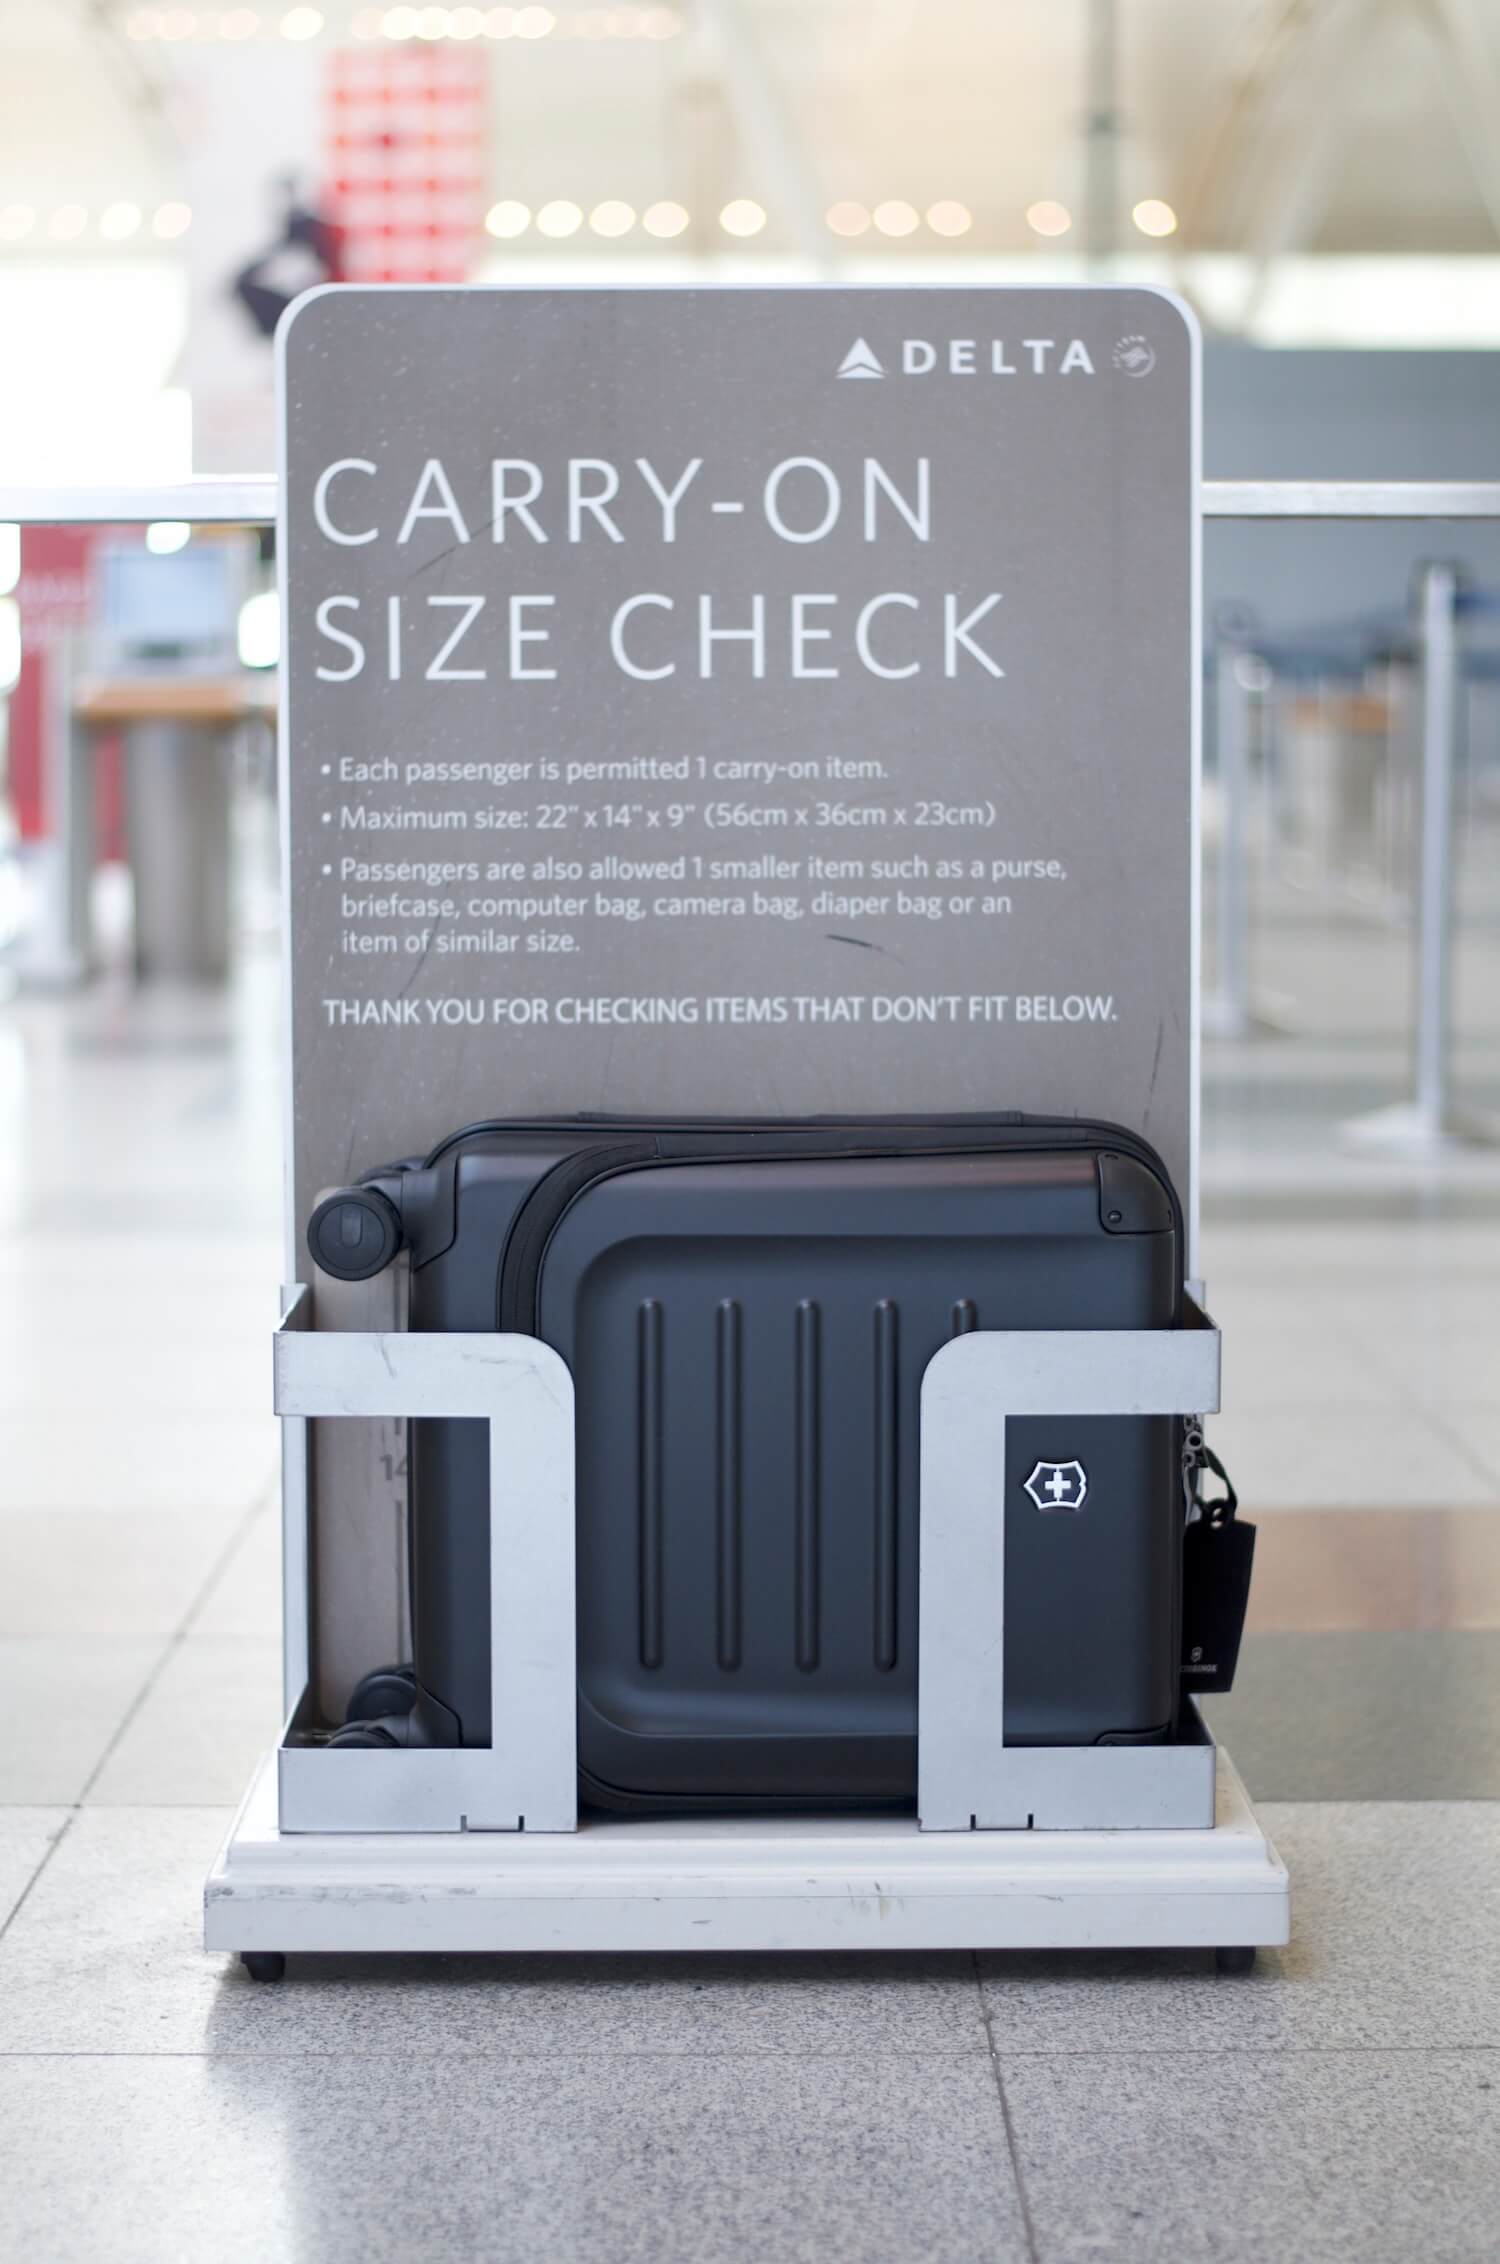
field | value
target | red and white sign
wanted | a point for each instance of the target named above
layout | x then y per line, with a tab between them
55	597
405	148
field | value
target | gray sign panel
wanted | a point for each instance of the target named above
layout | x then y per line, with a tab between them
719	700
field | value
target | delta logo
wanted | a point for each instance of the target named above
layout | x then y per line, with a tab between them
861	361
991	357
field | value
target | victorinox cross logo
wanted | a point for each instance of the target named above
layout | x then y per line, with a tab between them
1058	1485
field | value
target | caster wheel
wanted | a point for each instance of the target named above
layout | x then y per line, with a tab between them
263	1965
362	1736
1238	1959
389	1690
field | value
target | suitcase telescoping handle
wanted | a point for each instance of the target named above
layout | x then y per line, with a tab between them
356	1231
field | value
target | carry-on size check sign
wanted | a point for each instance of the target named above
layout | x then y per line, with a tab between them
771	701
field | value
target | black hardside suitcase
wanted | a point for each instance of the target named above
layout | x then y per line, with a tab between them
747	1310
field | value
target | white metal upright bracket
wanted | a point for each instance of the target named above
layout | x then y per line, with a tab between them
528	1778
968	1778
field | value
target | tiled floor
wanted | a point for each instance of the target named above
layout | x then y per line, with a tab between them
1342	2102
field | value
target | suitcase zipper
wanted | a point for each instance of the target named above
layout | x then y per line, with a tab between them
727	1141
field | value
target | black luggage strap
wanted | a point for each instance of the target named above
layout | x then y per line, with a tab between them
1213	1512
1218	1556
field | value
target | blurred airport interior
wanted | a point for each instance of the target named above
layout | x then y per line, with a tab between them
1320	181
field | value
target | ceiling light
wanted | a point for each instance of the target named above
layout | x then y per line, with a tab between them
68	221
508	218
172	220
499	23
534	23
665	219
661	23
301	23
591	23
369	23
625	23
1153	217
166	535
432	23
239	23
16	221
742	216
895	217
612	218
1048	218
946	218
560	218
259	630
176	23
401	23
117	221
465	23
848	219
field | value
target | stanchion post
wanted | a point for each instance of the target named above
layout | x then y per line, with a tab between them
1428	1126
1228	1013
59	950
1435	908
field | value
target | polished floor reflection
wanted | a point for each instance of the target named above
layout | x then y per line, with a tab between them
1350	1569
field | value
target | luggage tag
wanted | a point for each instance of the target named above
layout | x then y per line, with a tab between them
1218	1555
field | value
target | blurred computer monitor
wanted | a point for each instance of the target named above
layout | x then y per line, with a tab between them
168	612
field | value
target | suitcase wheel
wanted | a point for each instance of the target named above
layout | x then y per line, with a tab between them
354	1233
263	1965
1238	1958
386	1690
362	1736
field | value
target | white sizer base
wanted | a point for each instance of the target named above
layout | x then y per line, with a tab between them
845	1883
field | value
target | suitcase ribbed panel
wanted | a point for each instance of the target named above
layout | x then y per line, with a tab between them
809	1505
729	1459
649	1479
887	1389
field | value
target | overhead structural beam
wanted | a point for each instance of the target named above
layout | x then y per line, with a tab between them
136	80
1213	165
1264	165
770	132
1471	84
1101	135
1301	138
1287	85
